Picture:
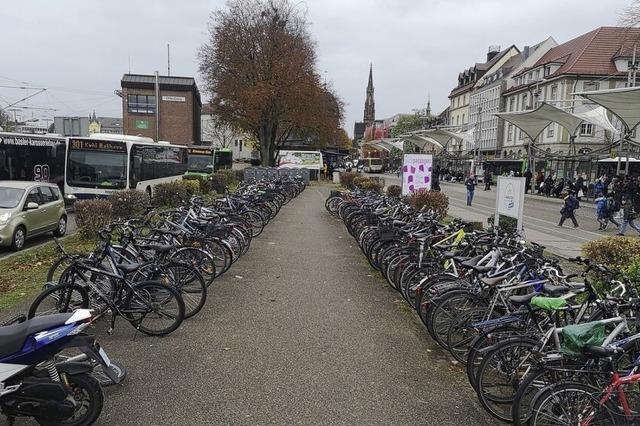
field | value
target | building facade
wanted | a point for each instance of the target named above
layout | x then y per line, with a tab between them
596	60
83	126
223	136
168	111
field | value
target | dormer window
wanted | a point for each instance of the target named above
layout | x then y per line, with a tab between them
547	71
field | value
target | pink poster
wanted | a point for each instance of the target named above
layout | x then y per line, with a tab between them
416	172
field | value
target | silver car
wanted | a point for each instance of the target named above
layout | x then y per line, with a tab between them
28	209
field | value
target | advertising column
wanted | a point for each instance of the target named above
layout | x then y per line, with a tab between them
416	172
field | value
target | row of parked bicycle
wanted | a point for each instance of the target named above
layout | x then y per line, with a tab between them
541	347
153	271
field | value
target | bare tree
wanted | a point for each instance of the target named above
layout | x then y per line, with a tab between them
630	16
5	120
221	133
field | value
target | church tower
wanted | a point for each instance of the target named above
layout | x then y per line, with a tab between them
369	103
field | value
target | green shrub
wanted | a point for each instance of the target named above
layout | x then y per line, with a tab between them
380	181
229	174
170	194
633	271
394	191
192	187
239	175
219	182
508	225
615	252
128	203
367	184
346	179
203	181
92	216
430	200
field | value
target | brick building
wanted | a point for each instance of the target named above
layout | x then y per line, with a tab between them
173	116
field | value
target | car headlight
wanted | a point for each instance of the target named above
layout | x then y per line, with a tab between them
4	218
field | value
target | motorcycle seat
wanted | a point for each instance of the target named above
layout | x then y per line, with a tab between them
12	337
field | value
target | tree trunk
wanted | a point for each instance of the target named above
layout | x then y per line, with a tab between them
267	140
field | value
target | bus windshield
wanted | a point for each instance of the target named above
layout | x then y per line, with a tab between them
376	161
200	163
97	169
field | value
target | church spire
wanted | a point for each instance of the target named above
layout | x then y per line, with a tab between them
369	104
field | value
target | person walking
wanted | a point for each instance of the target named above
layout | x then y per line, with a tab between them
539	180
579	187
571	204
527	176
628	217
487	180
601	211
471	186
548	185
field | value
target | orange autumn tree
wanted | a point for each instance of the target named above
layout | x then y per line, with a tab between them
259	67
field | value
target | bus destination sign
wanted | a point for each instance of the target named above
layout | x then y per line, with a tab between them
199	151
97	145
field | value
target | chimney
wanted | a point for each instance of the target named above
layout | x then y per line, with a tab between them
493	51
525	52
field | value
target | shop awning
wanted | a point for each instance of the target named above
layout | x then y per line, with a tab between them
623	103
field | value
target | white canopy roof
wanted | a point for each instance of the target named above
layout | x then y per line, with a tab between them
615	160
623	102
534	122
386	144
599	117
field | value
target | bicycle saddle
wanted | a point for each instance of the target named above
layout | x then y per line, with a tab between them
494	280
522	300
159	248
128	267
555	290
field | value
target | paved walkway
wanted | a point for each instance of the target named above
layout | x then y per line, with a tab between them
300	331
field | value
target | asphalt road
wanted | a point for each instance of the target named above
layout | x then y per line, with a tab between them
41	239
541	215
299	331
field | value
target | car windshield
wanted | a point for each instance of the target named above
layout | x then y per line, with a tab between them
201	163
10	197
95	169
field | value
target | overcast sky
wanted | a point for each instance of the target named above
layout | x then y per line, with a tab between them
79	50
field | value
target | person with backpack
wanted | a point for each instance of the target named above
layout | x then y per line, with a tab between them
601	211
613	206
628	217
571	204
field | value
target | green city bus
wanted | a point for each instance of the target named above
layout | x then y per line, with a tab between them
204	160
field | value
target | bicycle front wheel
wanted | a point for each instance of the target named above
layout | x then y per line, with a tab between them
59	298
154	308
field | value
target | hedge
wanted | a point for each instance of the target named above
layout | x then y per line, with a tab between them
128	203
346	179
92	216
615	252
394	191
430	200
170	194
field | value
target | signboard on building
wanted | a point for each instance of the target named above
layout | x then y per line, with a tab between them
174	98
300	159
510	199
416	172
142	124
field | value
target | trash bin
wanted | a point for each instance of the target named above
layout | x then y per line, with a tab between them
336	177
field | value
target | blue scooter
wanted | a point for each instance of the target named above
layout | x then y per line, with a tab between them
34	383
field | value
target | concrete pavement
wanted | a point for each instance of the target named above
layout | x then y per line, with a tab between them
541	215
299	331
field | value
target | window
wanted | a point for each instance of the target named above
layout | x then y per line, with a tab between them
512	104
591	85
33	197
463	118
525	99
547	71
235	143
537	75
239	145
586	129
47	195
141	104
458	120
150	162
550	130
554	93
521	135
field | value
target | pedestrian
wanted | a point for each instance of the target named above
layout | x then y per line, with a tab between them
435	181
571	204
579	187
471	186
527	176
548	185
487	180
601	211
628	217
539	181
613	207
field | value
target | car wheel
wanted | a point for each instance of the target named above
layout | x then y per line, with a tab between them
19	237
62	227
